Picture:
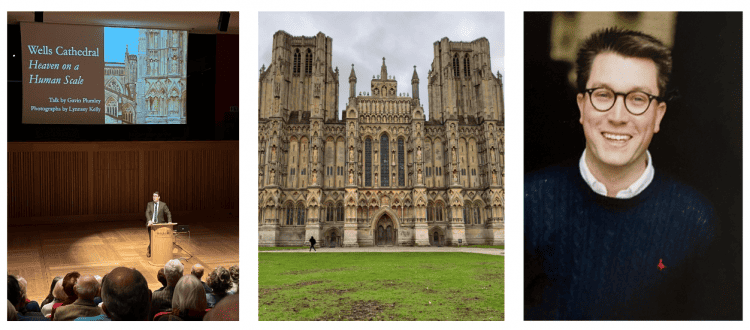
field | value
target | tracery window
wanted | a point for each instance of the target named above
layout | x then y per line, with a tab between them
340	212
455	65
467	68
297	60
384	161
329	213
430	216
368	162
466	213
300	214
401	178
308	62
289	214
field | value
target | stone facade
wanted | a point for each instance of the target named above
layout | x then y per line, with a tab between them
148	87
382	174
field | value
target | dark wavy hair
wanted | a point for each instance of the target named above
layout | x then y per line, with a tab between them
626	43
220	280
69	282
14	290
235	272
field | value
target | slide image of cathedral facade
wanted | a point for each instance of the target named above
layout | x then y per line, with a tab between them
148	86
382	175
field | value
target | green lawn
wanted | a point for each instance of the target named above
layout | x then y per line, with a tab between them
381	286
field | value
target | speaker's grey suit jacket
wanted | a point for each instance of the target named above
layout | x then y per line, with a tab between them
163	209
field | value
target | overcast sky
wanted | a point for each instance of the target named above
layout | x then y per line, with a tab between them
405	39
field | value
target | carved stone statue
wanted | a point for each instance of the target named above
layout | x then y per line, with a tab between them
273	153
273	176
315	176
453	154
315	154
351	153
494	176
419	175
351	176
419	154
455	175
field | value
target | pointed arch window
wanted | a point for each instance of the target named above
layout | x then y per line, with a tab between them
467	66
297	61
455	65
340	212
430	216
308	62
401	176
368	162
384	161
301	214
467	209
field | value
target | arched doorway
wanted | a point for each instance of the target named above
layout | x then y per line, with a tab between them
332	238
385	231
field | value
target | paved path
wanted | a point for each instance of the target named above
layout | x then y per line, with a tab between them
497	252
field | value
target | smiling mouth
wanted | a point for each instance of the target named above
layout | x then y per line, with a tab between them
616	137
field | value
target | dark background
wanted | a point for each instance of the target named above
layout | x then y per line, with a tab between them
700	141
212	87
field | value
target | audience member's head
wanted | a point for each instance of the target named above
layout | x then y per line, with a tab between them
87	287
50	297
14	291
235	272
173	271
22	284
125	295
58	292
228	309
160	276
219	280
189	299
11	312
197	271
69	282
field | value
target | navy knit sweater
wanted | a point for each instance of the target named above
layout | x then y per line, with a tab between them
591	257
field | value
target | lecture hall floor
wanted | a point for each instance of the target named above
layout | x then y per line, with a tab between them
41	252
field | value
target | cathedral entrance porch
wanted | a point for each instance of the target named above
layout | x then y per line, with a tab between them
385	233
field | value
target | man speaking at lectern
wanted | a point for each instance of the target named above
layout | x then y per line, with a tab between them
155	214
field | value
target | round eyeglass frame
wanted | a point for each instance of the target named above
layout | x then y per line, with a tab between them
590	91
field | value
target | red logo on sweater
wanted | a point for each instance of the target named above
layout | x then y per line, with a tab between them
661	265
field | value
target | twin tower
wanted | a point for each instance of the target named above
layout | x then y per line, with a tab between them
382	174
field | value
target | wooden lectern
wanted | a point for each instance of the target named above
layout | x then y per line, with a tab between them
162	240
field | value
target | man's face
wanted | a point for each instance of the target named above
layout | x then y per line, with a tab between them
617	138
156	198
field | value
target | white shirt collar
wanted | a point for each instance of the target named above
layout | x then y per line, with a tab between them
633	190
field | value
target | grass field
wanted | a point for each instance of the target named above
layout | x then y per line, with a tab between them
381	286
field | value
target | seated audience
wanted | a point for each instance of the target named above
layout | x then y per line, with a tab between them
50	297
125	296
162	279
16	298
11	312
197	271
31	305
58	297
188	302
162	300
235	272
86	289
98	298
228	309
219	281
69	282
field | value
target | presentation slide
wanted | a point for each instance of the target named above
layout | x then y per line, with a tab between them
74	74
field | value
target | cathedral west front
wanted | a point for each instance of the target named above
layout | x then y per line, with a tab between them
384	174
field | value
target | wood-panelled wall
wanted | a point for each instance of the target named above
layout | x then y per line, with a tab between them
92	180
